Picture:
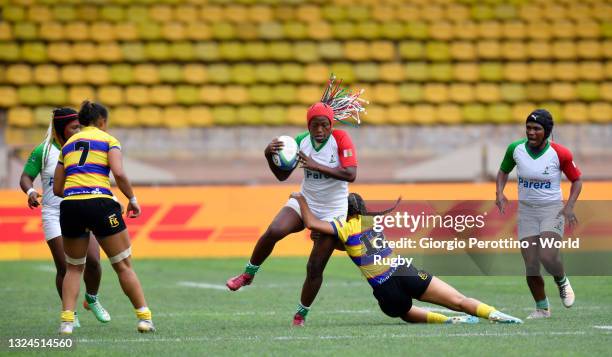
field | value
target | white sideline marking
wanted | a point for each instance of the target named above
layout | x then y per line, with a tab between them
329	337
193	284
46	268
605	327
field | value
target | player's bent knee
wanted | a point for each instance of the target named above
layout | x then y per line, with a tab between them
75	261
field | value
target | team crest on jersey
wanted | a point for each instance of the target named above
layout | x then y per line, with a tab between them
113	220
546	171
423	275
332	160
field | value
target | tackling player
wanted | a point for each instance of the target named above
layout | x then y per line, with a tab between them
43	160
541	213
329	160
82	177
395	286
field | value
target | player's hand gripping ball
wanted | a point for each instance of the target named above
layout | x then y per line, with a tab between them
286	158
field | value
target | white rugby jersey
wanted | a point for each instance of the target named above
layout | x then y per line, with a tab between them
34	166
324	193
539	175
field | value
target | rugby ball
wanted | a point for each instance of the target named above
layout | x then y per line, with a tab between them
286	159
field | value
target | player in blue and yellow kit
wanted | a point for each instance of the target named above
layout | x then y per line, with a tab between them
82	178
395	286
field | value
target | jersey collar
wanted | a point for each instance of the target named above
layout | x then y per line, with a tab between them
535	156
320	146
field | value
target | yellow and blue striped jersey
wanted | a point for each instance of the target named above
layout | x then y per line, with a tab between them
361	242
85	160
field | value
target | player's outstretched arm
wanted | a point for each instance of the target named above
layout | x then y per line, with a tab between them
500	184
115	161
310	221
273	147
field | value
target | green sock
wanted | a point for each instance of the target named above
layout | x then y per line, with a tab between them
561	281
91	298
303	310
251	269
542	304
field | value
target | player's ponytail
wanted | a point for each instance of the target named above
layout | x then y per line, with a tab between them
356	206
90	112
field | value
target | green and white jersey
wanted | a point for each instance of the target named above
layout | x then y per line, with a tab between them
323	193
539	174
34	167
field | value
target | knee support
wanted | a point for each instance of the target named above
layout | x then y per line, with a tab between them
75	261
121	256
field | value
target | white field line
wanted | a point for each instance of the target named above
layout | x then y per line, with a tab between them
328	337
605	327
47	268
193	284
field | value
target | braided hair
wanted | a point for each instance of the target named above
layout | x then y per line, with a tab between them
356	206
90	112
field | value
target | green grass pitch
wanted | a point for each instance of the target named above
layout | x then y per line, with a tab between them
194	315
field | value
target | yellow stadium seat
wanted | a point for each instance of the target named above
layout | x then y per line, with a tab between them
500	113
411	50
589	49
331	50
512	92
514	50
268	30
489	30
375	115
21	117
436	93
42	116
410	93
112	13
482	12
539	50
305	52
383	13
591	70
211	94
565	71
186	13
562	91
514	30
319	31
530	12
456	12
29	95
256	50
564	50
385	94
121	74
417	30
55	95
441	30
261	94
344	30
173	31
133	52
554	11
211	13
316	73
110	52
243	74
46	74
235	94
281	51
198	31
247	32
487	92
149	31
85	52
6	32
587	91
61	52
382	50
13	13
417	71
575	112
77	94
149	116
408	12
170	73
541	71
76	31
34	52
124	116
474	113
605	89
145	74
274	115
86	12
432	11
392	30
308	94
463	51
73	74
267	73
578	11
505	11
64	13
521	110
137	95
52	31
102	31
437	51
161	13
162	95
448	114
357	50
392	72
491	71
441	71
466	30
399	114
296	115
466	72
539	30
607	49
488	49
600	112
175	117
359	13
555	109
308	13
224	115
537	91
19	74
461	93
344	71
424	114
367	71
601	10
111	95
563	29
516	72
588	29
10	51
249	115
206	51
296	30
199	116
25	31
157	51
260	13
8	97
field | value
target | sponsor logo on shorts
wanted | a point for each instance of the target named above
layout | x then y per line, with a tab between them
423	275
113	220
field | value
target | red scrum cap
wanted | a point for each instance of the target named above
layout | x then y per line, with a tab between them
320	109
